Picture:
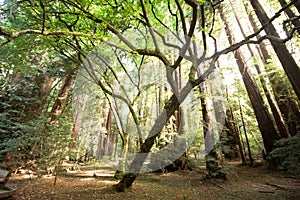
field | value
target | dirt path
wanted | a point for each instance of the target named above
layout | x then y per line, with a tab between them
96	183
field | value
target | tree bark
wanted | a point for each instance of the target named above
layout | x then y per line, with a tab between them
297	5
285	102
275	110
232	138
291	15
122	163
170	107
289	65
245	132
109	134
58	105
265	123
182	162
213	169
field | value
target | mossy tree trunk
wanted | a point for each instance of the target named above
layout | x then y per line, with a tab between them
170	107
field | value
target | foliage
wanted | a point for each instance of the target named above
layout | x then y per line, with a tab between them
286	154
16	122
74	28
27	138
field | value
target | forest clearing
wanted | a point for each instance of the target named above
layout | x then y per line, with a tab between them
176	99
96	182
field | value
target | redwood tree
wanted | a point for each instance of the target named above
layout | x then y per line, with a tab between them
288	63
283	96
265	123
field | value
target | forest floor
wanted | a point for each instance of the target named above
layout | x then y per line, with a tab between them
96	182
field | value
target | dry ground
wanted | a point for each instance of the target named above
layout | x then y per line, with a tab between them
96	182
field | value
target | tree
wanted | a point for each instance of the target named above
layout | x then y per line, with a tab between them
283	96
288	63
275	110
291	15
265	123
68	23
213	168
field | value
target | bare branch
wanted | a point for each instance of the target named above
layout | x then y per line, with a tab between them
167	43
174	15
43	15
248	40
160	21
185	47
145	15
39	32
182	18
243	42
124	69
203	27
212	26
159	55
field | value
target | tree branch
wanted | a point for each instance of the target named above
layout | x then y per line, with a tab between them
203	27
174	15
248	40
43	15
185	47
182	18
145	15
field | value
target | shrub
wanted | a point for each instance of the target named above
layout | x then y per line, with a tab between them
286	154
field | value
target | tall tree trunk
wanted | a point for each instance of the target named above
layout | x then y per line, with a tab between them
212	165
285	102
182	162
109	133
297	5
213	168
103	134
46	87
232	135
232	138
78	116
291	15
245	132
289	65
275	110
58	105
265	123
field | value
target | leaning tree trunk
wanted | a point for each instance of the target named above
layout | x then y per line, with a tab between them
289	65
170	107
263	118
275	110
285	102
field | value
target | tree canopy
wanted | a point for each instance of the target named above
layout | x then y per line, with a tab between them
129	65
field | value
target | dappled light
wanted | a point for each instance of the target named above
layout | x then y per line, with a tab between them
149	99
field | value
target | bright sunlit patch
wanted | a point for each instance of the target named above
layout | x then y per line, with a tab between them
87	179
104	175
